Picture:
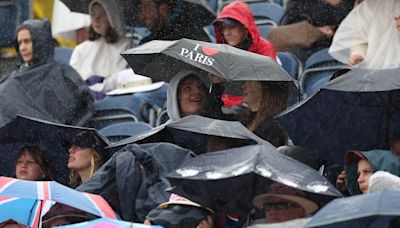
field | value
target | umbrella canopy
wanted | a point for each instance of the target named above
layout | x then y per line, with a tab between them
23	131
105	222
24	211
228	180
161	60
51	191
199	10
358	110
368	210
192	132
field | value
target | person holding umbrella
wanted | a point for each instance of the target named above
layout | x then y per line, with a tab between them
97	60
86	154
33	164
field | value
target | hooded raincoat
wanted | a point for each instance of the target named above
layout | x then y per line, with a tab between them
370	31
99	57
172	95
241	12
44	88
380	160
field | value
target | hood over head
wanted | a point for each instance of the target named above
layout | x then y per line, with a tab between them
240	12
115	14
172	94
42	40
380	160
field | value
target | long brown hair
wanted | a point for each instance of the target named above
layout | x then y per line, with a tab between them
274	100
95	162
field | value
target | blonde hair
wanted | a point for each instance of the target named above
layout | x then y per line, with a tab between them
274	100
95	162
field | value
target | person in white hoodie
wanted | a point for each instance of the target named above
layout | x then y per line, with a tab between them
187	95
369	36
98	59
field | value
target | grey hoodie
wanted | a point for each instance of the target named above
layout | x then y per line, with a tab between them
172	95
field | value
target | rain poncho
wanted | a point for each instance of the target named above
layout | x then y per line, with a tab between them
99	57
241	12
45	89
134	178
380	160
371	29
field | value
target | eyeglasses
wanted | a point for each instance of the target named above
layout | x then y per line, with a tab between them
279	206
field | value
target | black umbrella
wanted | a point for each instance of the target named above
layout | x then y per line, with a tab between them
358	110
228	180
23	131
161	60
192	132
196	10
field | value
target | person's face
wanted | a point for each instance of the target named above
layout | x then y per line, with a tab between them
280	210
395	147
233	34
79	158
364	173
99	19
191	96
24	40
27	168
252	94
149	14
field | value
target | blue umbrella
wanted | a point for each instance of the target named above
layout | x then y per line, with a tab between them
374	210
25	131
104	222
24	211
358	110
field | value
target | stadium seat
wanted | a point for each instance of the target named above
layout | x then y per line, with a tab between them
62	54
318	69
119	131
290	63
267	11
264	29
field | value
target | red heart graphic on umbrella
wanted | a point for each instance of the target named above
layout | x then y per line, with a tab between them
209	51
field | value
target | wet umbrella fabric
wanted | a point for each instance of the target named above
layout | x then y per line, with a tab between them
24	211
48	191
192	132
200	12
110	223
359	110
26	131
227	181
161	60
373	210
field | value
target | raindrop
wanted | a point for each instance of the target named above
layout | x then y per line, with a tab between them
187	172
214	175
263	172
317	187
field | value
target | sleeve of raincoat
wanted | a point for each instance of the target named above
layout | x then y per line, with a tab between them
271	131
353	31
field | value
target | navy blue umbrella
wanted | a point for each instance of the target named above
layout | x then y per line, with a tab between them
358	110
227	180
373	210
26	131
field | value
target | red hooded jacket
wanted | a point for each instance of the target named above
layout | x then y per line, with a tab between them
241	12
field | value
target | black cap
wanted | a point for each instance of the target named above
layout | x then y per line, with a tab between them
86	139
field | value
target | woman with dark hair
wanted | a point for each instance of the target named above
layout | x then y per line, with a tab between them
98	59
265	100
33	164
